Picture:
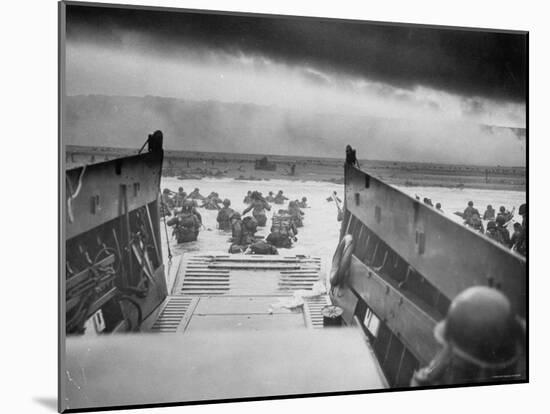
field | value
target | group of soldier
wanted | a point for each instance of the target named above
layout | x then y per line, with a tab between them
497	226
284	227
186	221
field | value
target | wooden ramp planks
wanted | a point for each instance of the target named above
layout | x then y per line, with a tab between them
222	274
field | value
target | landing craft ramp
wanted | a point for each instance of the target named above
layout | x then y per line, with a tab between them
220	334
221	291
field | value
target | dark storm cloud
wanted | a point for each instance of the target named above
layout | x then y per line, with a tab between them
470	63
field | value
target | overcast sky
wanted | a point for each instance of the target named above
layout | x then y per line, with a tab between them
405	72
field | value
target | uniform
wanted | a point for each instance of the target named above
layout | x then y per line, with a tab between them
283	232
186	227
489	213
296	214
280	198
470	211
223	219
241	237
481	339
196	195
258	206
180	198
211	203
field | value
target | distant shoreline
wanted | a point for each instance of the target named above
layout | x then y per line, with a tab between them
197	165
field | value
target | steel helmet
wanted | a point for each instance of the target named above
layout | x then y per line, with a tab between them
226	202
180	189
236	216
491	225
471	203
304	198
501	220
523	209
502	209
481	328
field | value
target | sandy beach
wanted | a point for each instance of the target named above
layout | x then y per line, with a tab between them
187	165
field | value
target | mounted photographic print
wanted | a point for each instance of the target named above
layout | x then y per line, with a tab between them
257	206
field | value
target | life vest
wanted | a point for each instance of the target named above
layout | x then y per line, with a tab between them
341	260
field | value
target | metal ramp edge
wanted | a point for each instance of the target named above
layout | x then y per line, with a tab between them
312	310
175	314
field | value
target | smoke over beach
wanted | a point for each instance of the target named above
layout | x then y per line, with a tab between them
259	85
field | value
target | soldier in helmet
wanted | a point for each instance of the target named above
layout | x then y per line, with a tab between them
283	231
240	234
489	213
166	203
508	215
469	211
248	198
196	195
186	224
492	231
295	213
474	221
270	197
303	203
280	198
212	201
258	205
180	197
224	216
481	338
351	156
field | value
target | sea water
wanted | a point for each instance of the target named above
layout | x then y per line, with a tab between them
320	233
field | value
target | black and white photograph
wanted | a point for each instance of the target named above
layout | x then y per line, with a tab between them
262	206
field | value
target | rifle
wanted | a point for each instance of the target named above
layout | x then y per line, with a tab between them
340	215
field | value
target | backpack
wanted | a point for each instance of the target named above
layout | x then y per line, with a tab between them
262	247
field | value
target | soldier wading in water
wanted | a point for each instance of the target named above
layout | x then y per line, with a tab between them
224	216
186	223
258	205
